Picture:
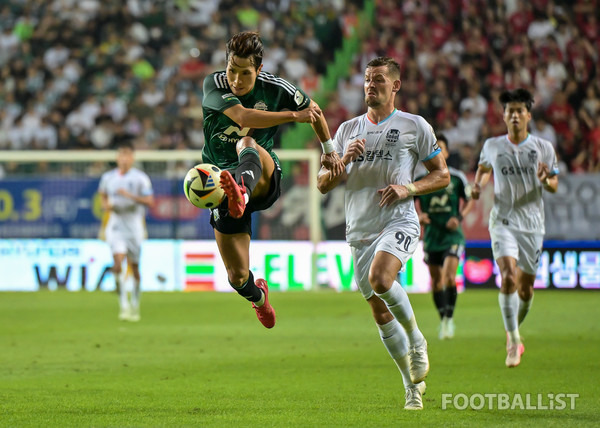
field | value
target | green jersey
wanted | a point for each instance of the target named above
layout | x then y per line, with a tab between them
270	93
440	206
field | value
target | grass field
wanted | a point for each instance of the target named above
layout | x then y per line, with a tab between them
202	359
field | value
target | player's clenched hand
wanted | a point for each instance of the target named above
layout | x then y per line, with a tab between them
354	150
543	172
124	193
424	218
333	163
308	115
452	223
476	191
392	193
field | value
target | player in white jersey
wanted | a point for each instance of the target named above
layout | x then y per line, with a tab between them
126	192
380	150
523	165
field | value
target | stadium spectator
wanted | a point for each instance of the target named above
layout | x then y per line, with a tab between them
517	220
382	225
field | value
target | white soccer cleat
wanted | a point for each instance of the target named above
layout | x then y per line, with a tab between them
125	314
413	399
134	316
419	362
442	329
449	328
513	354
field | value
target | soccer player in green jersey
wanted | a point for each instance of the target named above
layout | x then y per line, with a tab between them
444	241
243	107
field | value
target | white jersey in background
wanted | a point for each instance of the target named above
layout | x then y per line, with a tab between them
127	216
517	190
392	150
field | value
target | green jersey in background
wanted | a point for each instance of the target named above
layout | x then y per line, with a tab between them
441	206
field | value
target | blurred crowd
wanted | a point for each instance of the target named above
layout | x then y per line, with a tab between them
85	74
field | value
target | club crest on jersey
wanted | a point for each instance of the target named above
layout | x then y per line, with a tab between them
392	136
532	156
261	105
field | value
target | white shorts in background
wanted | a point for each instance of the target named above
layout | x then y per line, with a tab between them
524	247
125	244
400	244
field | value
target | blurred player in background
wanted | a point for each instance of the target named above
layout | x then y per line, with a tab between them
523	165
444	240
243	107
380	150
126	192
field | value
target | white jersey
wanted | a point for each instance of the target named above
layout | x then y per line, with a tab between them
127	216
517	190
392	150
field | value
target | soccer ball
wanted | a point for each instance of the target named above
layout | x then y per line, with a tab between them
201	186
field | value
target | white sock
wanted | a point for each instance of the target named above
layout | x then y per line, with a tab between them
397	302
123	301
135	294
524	306
395	341
509	306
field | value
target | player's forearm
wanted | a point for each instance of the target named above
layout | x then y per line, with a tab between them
251	118
466	209
325	181
482	176
321	129
437	179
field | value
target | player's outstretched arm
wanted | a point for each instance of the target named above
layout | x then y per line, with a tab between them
252	118
482	176
329	159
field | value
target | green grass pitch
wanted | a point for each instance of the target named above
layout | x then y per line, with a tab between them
203	360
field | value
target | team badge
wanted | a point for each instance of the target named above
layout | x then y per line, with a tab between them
392	135
532	156
260	105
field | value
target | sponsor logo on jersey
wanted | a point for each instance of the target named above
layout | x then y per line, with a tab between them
261	105
298	97
229	95
517	170
392	136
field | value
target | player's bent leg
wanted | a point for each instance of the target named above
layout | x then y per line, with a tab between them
236	201
382	278
234	250
525	282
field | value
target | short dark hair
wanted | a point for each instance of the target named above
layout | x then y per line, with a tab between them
246	44
519	95
442	137
126	144
392	66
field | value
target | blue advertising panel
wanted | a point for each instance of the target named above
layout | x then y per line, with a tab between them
70	208
563	265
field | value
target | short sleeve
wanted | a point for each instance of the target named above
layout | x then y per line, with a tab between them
427	145
485	156
217	95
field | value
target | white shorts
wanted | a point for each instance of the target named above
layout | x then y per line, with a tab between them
524	247
129	245
400	244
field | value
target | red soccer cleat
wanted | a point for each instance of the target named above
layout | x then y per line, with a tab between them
235	195
265	313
